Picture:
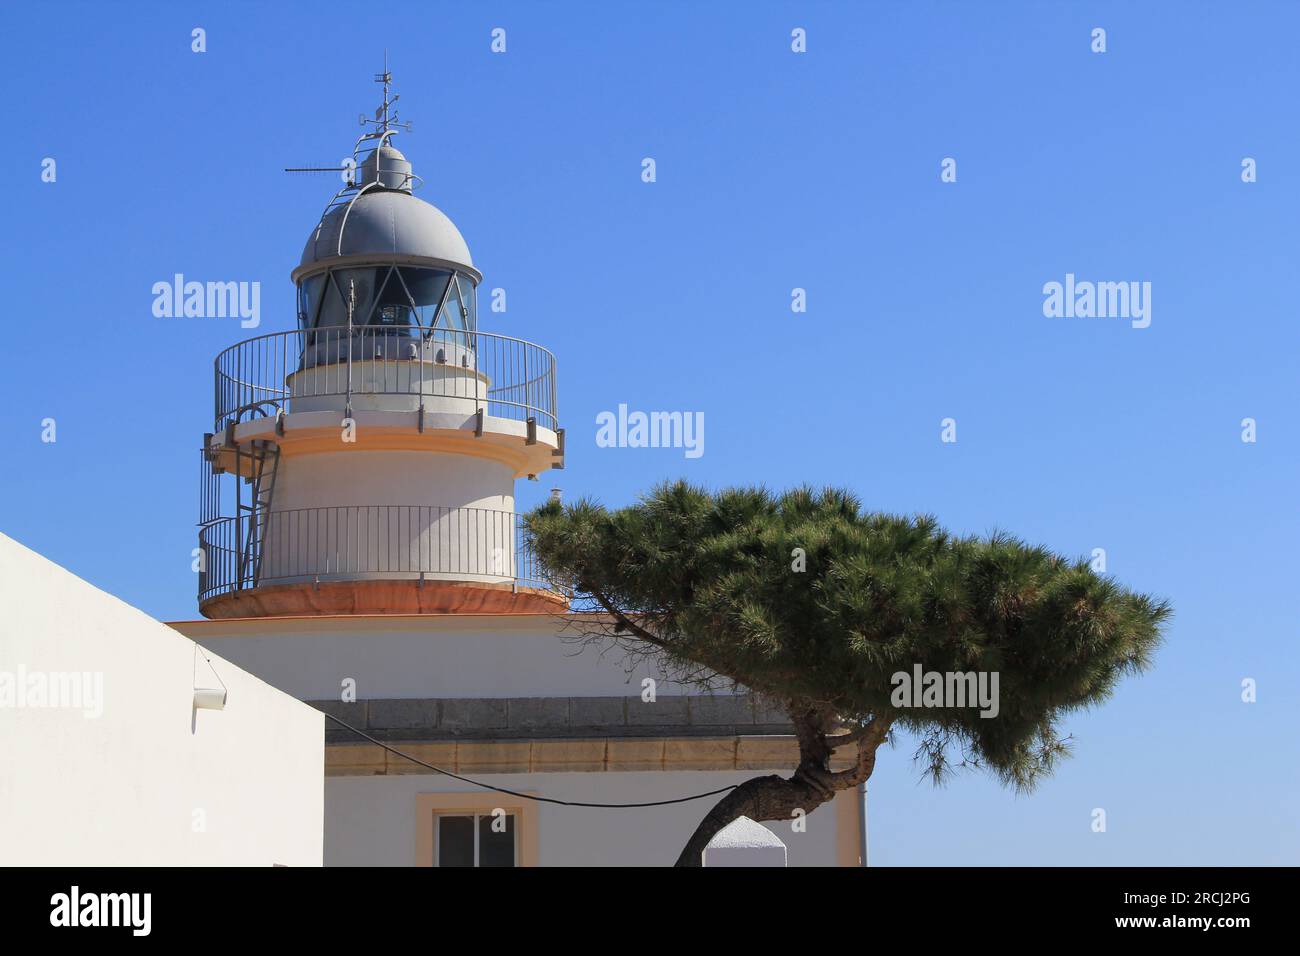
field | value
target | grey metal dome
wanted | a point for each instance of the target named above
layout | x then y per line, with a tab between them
386	222
387	166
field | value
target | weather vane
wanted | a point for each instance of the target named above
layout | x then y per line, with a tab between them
382	120
385	122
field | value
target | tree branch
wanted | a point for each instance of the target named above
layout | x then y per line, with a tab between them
852	737
873	736
626	622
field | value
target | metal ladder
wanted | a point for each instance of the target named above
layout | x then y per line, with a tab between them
262	459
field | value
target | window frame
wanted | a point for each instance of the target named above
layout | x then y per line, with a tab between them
457	280
430	806
477	816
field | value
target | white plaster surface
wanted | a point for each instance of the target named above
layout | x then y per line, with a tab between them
131	785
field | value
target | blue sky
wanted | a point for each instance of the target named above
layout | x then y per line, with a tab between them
775	170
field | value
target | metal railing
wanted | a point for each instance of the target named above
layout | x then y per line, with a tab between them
360	542
415	367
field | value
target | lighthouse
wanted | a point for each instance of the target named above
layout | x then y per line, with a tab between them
365	462
359	549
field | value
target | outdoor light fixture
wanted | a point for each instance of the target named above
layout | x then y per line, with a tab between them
209	698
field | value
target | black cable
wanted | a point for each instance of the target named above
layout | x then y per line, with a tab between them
516	793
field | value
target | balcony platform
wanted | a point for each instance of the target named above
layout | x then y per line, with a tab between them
527	451
284	398
383	597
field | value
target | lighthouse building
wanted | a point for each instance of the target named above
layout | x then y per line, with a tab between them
360	550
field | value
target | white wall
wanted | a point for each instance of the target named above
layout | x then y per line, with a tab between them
371	821
126	787
491	655
371	477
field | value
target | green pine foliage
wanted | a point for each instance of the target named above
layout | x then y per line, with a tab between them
712	581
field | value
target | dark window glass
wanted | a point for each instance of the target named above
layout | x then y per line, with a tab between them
469	296
496	849
452	317
333	309
451	320
426	287
309	295
402	296
393	307
364	283
455	841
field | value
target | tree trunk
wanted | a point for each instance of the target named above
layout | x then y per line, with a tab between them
762	798
776	798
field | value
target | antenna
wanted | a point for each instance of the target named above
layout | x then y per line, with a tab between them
385	124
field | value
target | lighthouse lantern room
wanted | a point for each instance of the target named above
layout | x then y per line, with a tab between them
364	462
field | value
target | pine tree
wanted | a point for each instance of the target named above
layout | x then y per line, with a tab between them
813	603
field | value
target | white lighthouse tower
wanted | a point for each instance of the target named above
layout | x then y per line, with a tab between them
361	552
374	449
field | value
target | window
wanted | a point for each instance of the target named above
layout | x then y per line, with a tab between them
453	313
456	320
333	311
480	839
385	295
426	288
455	829
309	299
467	298
393	307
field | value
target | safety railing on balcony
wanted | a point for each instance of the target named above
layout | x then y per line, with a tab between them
385	367
366	542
